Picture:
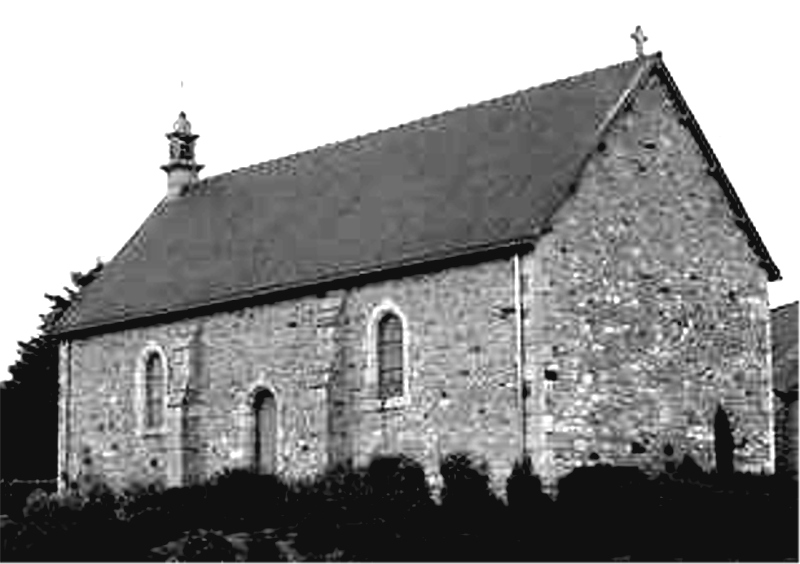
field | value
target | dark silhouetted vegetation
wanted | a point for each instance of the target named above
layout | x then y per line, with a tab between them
386	512
723	442
29	401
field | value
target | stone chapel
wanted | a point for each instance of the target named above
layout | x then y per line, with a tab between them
564	272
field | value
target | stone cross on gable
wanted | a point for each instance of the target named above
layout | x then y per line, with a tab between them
639	37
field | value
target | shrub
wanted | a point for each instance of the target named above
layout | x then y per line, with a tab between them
14	494
245	500
145	510
531	514
723	443
472	516
339	494
384	512
322	505
80	524
466	480
688	469
400	519
604	506
397	486
524	488
199	545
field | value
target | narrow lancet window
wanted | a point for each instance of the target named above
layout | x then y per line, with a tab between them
390	357
154	392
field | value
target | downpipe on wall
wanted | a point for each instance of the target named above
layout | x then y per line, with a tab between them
519	351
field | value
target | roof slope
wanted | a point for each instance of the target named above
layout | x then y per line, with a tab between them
784	347
478	177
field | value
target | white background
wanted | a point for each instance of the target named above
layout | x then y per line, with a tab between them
88	89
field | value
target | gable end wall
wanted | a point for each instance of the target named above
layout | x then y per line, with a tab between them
652	308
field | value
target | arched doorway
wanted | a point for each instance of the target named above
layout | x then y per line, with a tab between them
265	431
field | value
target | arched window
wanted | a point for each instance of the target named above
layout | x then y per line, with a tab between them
265	431
390	357
151	378
154	387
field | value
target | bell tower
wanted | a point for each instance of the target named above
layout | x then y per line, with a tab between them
182	170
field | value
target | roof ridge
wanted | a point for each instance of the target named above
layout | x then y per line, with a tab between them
352	142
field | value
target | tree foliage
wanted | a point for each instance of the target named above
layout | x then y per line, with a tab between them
723	442
29	401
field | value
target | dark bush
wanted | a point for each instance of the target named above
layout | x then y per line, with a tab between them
472	517
524	488
14	493
384	512
400	513
323	506
603	505
340	494
82	523
688	469
245	500
466	481
206	546
397	486
268	545
723	443
531	514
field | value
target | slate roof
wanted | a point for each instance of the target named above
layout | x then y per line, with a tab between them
784	347
479	177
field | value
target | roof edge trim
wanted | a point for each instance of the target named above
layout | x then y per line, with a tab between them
741	218
430	262
655	63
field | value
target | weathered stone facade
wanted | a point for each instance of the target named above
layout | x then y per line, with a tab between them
655	308
642	309
313	353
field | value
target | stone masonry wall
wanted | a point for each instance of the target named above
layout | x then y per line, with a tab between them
314	354
461	368
652	306
215	365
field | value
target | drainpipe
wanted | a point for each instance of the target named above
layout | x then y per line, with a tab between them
519	350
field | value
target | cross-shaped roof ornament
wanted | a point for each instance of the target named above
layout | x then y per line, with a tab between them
639	38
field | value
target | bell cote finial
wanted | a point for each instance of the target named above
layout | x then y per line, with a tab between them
182	125
182	170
